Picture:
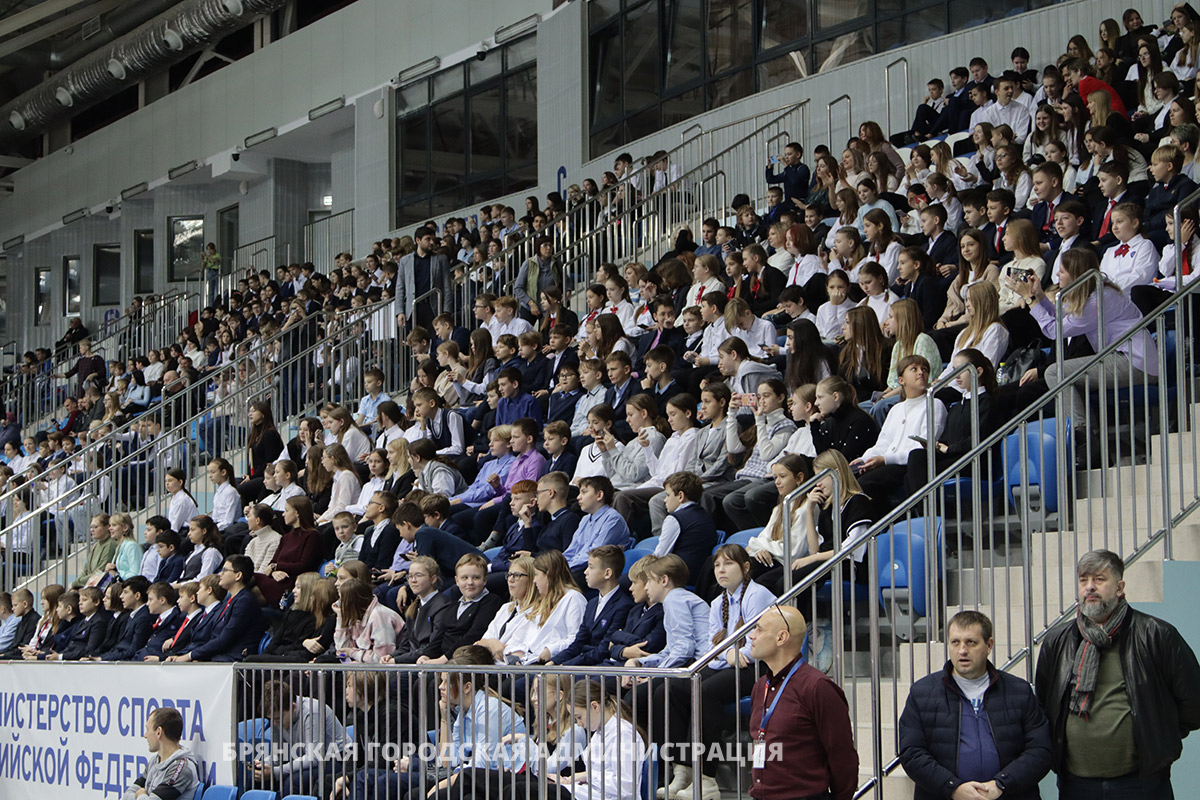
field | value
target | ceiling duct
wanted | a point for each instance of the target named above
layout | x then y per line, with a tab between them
185	28
109	27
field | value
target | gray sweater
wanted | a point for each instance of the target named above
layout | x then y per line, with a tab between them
174	778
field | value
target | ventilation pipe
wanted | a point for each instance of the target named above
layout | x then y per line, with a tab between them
49	58
186	28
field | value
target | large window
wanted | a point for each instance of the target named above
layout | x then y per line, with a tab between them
143	261
106	269
467	134
70	286
41	296
654	63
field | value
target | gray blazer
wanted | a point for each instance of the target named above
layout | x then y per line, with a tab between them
406	282
710	461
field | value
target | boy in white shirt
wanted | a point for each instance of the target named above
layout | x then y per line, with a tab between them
507	319
882	468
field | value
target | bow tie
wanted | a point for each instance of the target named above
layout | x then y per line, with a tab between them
1123	250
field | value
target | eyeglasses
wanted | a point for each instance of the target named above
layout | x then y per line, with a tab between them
512	576
784	618
228	569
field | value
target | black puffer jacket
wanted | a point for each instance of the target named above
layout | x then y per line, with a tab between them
930	728
1161	675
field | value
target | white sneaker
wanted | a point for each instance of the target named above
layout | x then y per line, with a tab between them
709	790
681	779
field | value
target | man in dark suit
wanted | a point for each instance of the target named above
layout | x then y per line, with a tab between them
137	626
956	114
160	602
1114	189
421	272
27	623
619	369
238	626
1047	187
87	636
1070	222
1170	187
604	612
199	610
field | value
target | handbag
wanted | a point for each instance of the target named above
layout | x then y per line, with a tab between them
1018	363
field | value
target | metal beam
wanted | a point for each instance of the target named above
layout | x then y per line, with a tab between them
15	162
38	13
18	43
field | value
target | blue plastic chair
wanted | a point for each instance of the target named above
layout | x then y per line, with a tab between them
254	730
631	558
648	543
903	584
300	797
649	777
265	642
492	552
219	793
260	794
1040	439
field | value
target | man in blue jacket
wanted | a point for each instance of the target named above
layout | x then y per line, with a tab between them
969	731
238	626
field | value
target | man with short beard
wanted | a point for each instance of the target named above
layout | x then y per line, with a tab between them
1121	689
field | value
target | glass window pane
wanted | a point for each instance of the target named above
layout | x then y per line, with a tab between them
684	59
608	139
413	213
106	266
787	68
600	10
683	107
486	189
520	178
447	83
485	131
414	155
410	98
844	49
731	88
71	285
837	12
448	201
730	35
784	22
642	124
185	246
448	144
520	52
491	66
606	75
964	14
520	123
143	260
641	57
41	296
914	27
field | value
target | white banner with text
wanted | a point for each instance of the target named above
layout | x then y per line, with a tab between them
77	729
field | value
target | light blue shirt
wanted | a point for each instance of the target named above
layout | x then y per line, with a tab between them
743	607
605	526
481	491
368	407
475	734
882	205
8	631
686	619
586	402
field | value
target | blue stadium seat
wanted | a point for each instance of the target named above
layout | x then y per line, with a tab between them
649	776
260	794
254	730
1042	451
300	797
265	642
632	556
741	537
903	554
219	793
648	544
492	552
721	537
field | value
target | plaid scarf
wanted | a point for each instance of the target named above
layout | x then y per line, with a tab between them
1096	637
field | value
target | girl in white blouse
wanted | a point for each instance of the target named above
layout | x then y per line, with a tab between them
767	548
873	280
984	332
617	291
554	616
674	456
883	245
336	460
206	558
182	506
832	313
706	274
340	429
227	503
626	464
616	751
512	616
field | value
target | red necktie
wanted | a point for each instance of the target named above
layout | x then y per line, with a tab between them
1049	216
795	273
179	633
699	294
999	237
1122	250
154	627
1187	262
1107	218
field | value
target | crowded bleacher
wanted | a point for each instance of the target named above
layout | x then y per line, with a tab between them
508	456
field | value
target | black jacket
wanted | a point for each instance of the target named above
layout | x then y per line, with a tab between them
929	732
1161	675
26	628
418	631
87	637
451	631
849	429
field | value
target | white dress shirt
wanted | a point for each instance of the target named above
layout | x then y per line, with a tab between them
673	457
714	334
359	507
1132	263
903	421
830	319
226	505
556	633
761	333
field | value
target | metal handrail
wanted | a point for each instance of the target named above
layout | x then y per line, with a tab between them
887	88
849	112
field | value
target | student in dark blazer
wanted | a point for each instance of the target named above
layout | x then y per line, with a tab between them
170	566
603	575
444	548
381	538
137	624
462	621
426	602
237	626
644	623
88	634
920	283
166	623
567	358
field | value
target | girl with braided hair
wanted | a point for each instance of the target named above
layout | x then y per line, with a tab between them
726	679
